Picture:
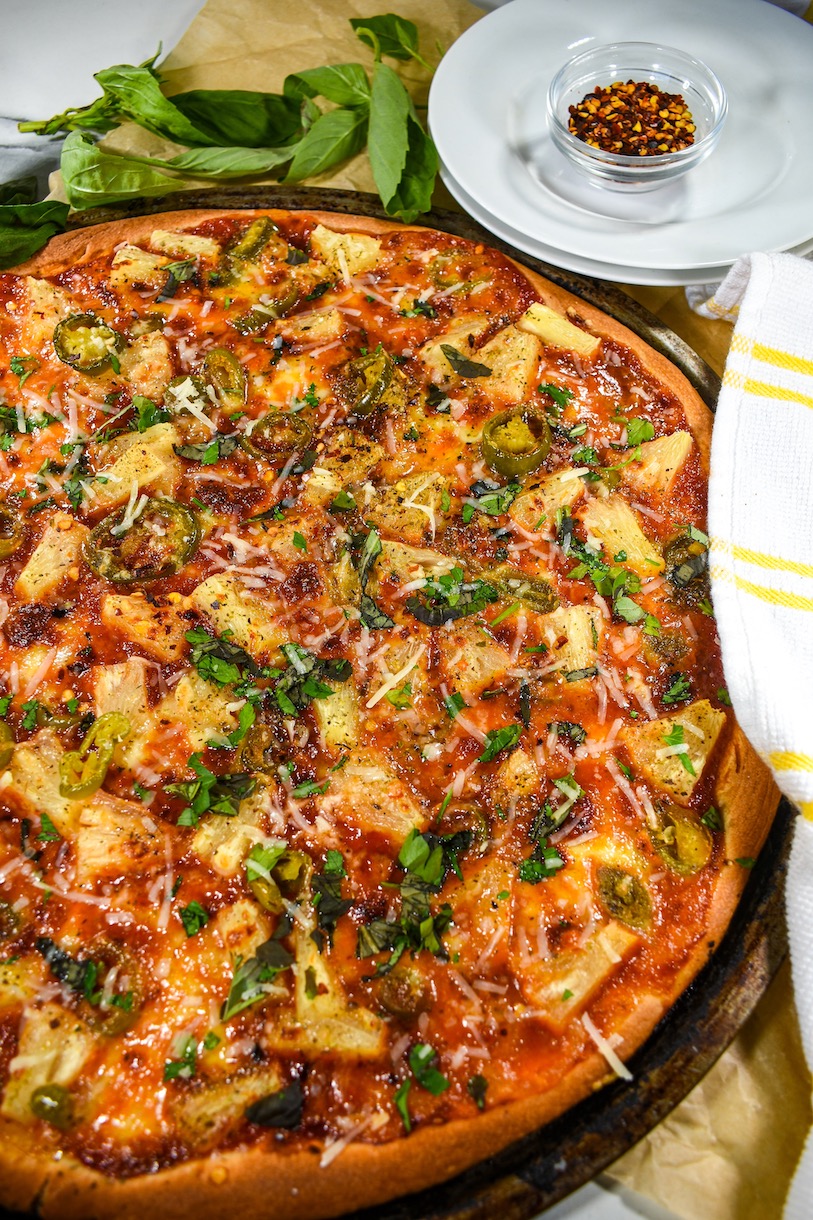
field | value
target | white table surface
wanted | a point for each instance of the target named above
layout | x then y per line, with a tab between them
74	39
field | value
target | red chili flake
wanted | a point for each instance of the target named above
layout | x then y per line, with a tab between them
635	119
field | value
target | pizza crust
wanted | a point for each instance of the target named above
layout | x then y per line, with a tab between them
245	1179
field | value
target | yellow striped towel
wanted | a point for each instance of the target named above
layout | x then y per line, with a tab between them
761	527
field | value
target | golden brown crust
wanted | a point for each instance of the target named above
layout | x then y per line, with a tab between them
244	1179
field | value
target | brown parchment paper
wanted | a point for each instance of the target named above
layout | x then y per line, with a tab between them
729	1150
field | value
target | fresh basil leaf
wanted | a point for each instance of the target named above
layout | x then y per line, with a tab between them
282	1109
462	365
230	162
388	34
19	191
498	740
333	138
208	452
194	917
92	177
344	84
373	616
137	93
414	194
240	118
388	138
639	430
423	1060
26	227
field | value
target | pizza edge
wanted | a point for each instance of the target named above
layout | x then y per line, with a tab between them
364	1173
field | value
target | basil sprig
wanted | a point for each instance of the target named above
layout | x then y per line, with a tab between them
234	133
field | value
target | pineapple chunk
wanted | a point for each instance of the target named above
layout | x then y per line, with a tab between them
112	840
158	630
20	980
58	550
410	508
184	245
660	463
338	717
471	662
461	337
517	777
225	601
324	1021
54	1046
35	779
45	307
536	508
321	326
614	523
241	927
696	727
123	688
572	634
205	1115
345	254
575	973
224	843
555	330
409	563
513	357
200	707
478	915
367	794
145	460
137	268
147	364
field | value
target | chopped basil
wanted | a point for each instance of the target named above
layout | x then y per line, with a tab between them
679	691
210	793
450	596
498	740
208	452
282	1109
194	918
462	365
677	737
476	1088
253	975
422	1060
639	430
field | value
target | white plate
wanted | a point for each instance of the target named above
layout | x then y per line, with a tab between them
574	262
753	193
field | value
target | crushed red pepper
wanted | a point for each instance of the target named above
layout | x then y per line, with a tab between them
635	119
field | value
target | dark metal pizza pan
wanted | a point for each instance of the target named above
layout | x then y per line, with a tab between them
545	1166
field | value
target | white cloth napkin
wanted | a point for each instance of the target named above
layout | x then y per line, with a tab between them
761	529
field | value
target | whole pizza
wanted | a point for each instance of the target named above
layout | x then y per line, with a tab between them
369	783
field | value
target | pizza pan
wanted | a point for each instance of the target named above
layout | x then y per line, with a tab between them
545	1166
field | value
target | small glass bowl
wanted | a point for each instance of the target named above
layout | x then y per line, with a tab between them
672	71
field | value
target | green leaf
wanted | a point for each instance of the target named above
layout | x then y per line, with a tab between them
462	365
92	177
498	740
137	94
476	1088
229	162
414	194
333	138
388	34
422	1060
26	227
19	191
241	118
402	1102
639	430
344	84
679	691
194	917
388	138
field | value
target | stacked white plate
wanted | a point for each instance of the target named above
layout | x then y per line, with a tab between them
755	191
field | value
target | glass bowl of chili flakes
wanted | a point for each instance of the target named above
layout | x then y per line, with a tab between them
634	115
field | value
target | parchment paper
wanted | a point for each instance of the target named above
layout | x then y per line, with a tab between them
729	1150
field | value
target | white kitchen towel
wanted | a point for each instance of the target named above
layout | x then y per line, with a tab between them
761	554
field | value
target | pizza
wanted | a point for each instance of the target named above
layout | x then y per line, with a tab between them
369	783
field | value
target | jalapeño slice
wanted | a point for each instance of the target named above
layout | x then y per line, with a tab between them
516	441
11	532
368	379
85	342
226	375
82	771
158	543
275	302
276	436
